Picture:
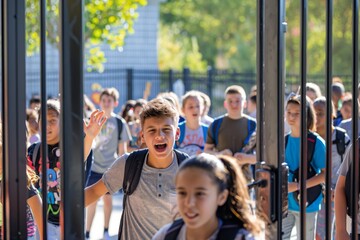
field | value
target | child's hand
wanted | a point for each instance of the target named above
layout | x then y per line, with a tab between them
244	158
97	120
227	152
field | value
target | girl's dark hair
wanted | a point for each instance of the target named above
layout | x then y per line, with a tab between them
310	112
226	174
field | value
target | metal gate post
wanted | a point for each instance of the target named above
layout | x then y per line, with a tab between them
13	117
72	135
270	78
355	154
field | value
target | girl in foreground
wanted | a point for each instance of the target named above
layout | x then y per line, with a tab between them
213	201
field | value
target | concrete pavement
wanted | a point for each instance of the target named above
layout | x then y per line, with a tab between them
97	229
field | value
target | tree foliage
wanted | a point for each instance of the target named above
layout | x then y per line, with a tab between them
226	33
180	52
106	21
224	29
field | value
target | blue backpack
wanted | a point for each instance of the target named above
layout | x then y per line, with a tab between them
215	127
182	127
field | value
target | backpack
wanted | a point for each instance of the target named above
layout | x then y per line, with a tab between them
340	141
348	189
227	231
35	153
215	127
182	127
133	169
314	192
119	125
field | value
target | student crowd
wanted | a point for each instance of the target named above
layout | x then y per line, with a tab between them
184	175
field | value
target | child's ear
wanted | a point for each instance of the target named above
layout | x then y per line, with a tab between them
223	197
245	104
177	134
141	134
225	104
116	103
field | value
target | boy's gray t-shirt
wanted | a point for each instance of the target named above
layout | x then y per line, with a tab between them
152	205
106	144
344	168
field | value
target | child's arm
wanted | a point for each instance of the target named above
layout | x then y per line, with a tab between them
316	180
94	192
340	209
92	129
210	148
244	158
311	182
122	148
36	208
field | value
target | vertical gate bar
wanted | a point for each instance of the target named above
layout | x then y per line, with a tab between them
355	74
260	80
72	135
280	106
303	152
13	105
329	34
270	82
43	110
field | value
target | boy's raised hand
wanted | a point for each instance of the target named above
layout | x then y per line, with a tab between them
97	120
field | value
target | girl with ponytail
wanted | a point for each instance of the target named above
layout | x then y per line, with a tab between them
213	201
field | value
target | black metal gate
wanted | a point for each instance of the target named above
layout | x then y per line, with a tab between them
270	82
13	117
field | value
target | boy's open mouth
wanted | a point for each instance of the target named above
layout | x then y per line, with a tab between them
160	147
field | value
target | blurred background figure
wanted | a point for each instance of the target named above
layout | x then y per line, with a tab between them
32	126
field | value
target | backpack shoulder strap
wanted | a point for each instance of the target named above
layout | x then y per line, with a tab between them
132	174
215	127
119	125
182	127
311	145
133	168
35	152
228	231
174	230
251	126
205	129
180	156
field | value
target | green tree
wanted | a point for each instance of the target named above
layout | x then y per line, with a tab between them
220	27
105	22
180	52
226	32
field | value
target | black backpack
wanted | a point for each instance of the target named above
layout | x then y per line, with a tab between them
314	192
348	188
133	169
227	231
340	142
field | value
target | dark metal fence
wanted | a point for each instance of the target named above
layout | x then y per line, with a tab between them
131	83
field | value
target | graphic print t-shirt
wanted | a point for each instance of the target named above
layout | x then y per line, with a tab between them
193	141
53	179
